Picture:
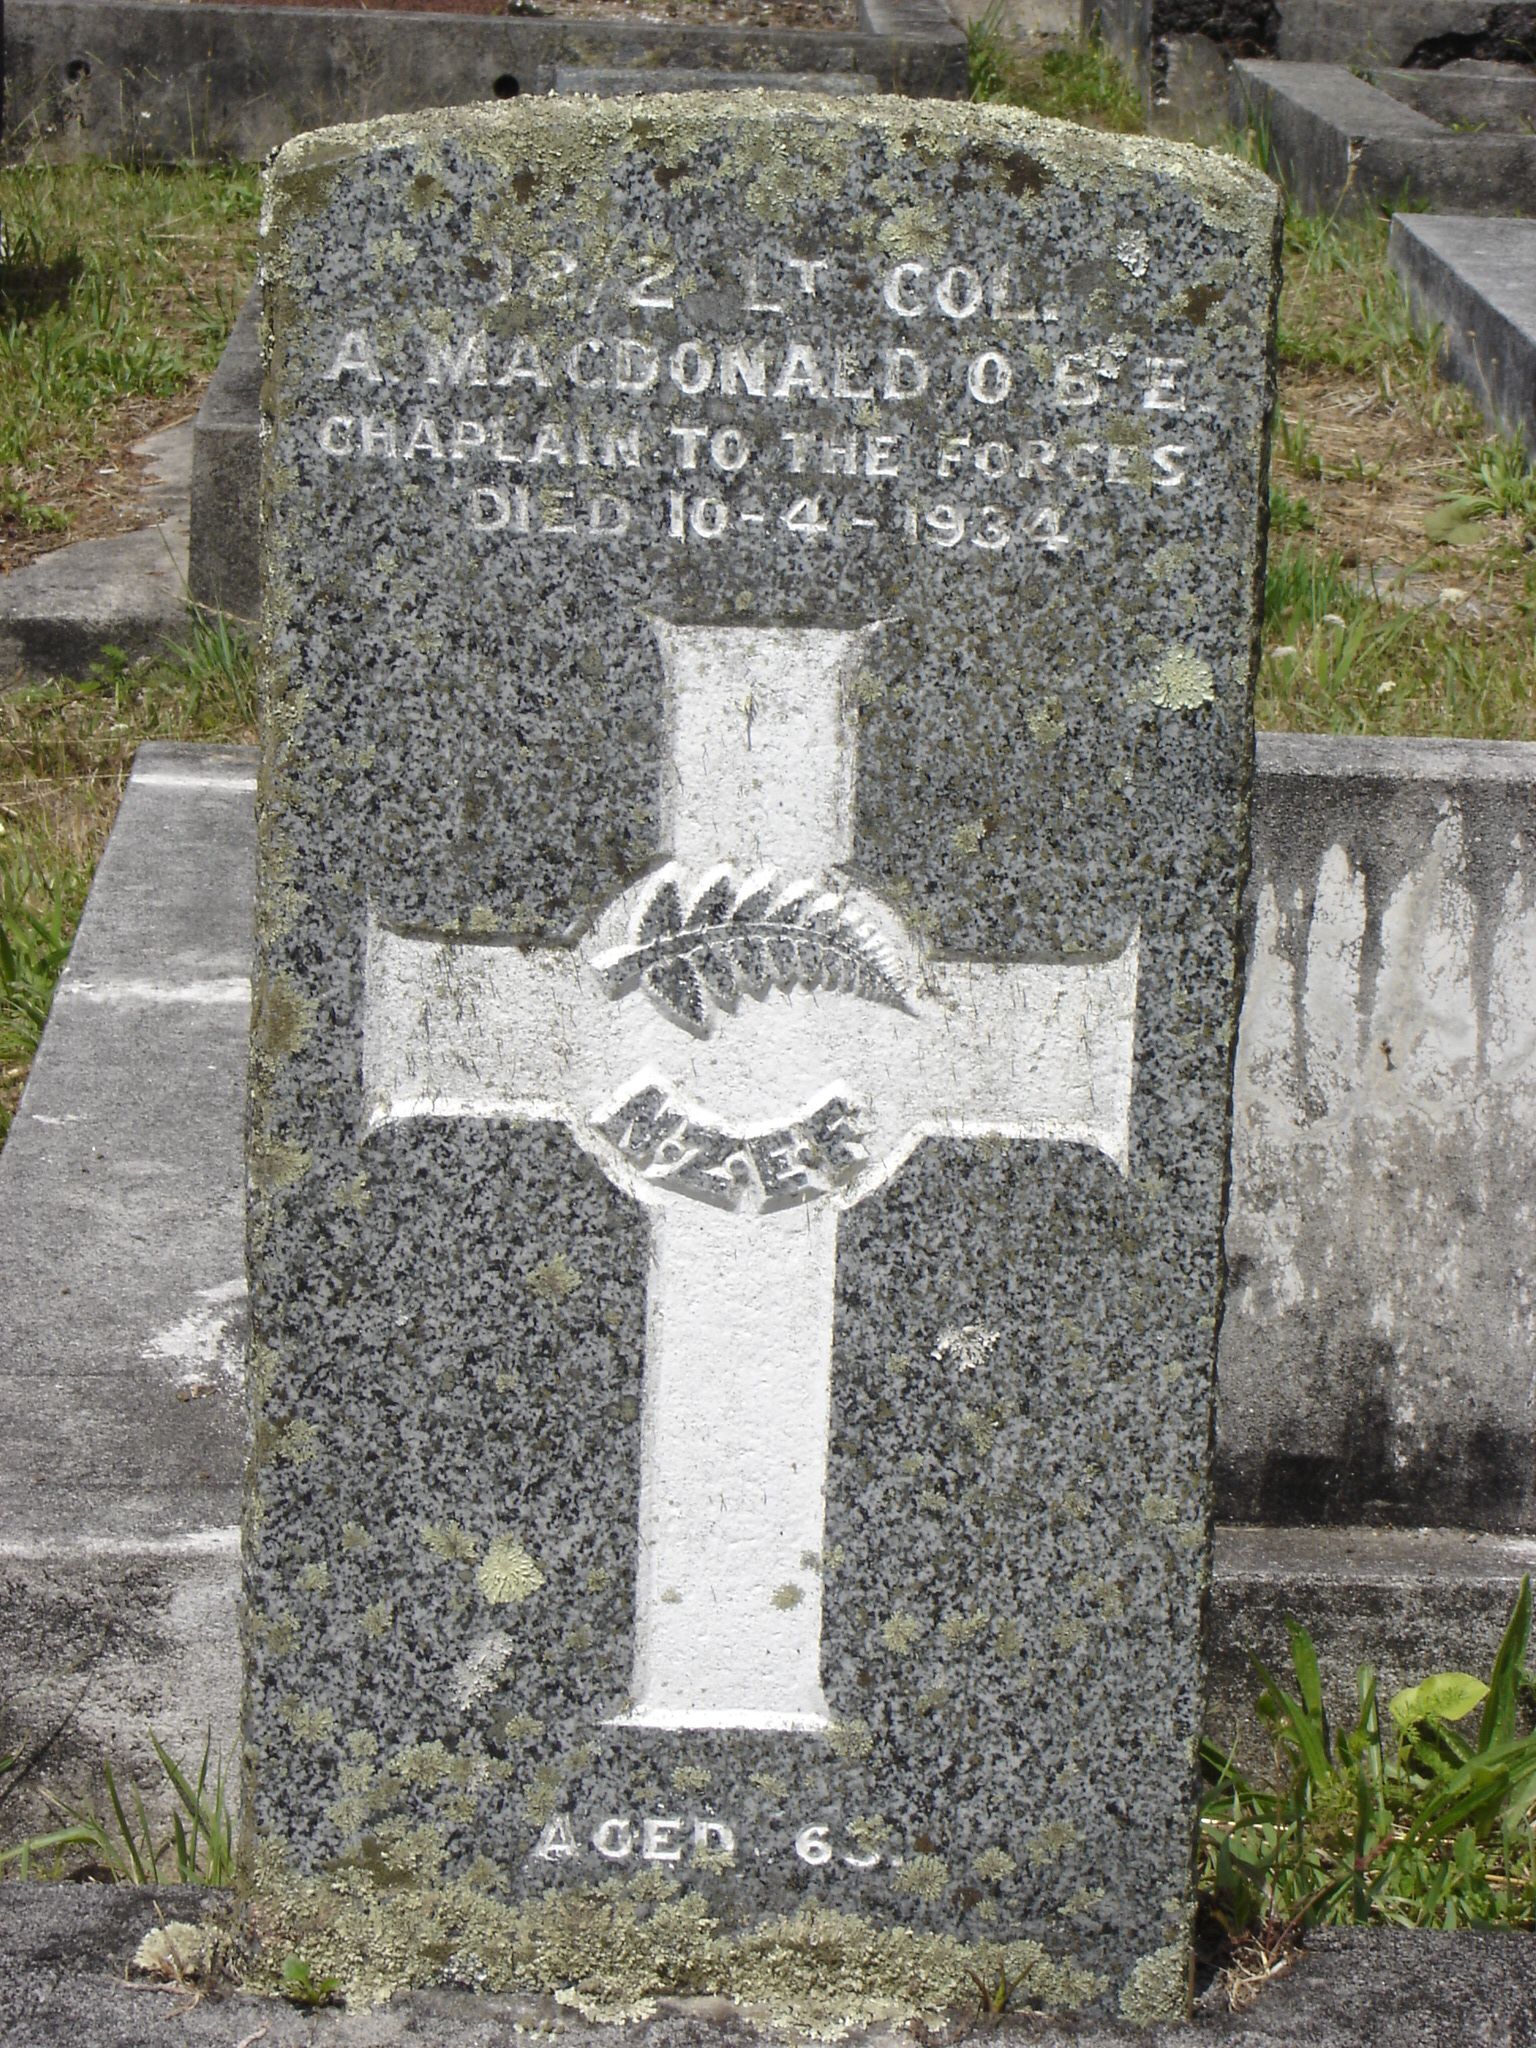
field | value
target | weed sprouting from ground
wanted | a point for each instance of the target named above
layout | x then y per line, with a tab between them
65	751
114	1838
1078	80
1418	1820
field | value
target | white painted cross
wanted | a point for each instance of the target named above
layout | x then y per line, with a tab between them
748	1047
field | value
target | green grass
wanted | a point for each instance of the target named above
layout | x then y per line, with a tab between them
117	292
118	1841
1418	1817
1384	473
1337	659
1078	80
65	752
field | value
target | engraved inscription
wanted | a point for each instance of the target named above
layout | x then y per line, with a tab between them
711	1843
832	442
819	1155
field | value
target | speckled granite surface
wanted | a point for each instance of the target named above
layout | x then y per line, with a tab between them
985	395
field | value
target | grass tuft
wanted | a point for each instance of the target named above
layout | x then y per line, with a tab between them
1415	1818
1079	80
117	1842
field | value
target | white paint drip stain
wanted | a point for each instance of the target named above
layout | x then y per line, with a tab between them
206	1344
1387	1050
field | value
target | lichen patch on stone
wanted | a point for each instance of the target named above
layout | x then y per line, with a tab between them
1158	1987
508	1575
553	1280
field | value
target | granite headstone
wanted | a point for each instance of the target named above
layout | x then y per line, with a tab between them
760	608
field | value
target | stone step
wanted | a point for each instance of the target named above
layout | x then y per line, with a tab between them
1475	280
1341	144
127	590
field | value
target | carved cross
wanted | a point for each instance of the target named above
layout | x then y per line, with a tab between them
748	1045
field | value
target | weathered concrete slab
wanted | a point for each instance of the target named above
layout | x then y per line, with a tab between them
64	1978
615	84
1422	33
1425	34
127	591
1406	1601
1339	143
122	1290
1475	280
136	80
222	568
1472	96
1381	1304
1179	50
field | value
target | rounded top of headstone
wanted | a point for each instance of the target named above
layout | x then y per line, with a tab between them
552	148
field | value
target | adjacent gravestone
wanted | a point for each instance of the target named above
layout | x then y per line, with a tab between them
757	755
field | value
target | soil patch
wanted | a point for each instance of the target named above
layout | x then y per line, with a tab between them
104	491
1374	471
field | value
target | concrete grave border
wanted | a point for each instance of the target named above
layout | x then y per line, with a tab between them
1179	50
1475	279
141	81
1340	144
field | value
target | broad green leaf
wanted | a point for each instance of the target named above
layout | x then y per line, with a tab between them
1448	1695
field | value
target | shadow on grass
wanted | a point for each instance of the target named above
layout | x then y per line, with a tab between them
33	280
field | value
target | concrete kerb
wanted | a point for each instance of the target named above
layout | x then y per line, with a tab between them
1475	279
137	80
222	560
129	590
64	1978
1179	54
122	1295
1341	144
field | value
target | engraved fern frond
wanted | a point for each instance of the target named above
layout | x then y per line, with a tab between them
696	956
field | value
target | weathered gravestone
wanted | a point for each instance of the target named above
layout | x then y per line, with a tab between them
761	612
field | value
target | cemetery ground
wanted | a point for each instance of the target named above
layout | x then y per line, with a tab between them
1400	600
